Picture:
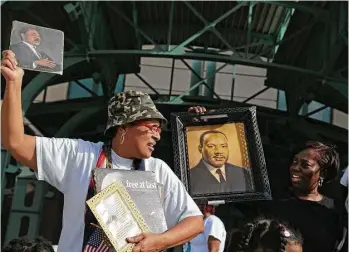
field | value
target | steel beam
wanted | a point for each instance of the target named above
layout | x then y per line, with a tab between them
170	24
283	28
146	83
85	88
69	106
162	29
316	110
89	10
171	78
39	82
256	94
120	84
333	45
5	161
316	11
342	87
121	14
135	22
210	57
249	26
77	120
176	99
207	24
297	33
209	88
207	27
233	83
201	79
197	70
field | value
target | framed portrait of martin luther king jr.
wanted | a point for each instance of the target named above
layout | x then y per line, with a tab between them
37	48
219	155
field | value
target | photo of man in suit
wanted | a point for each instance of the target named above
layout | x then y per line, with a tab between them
213	174
27	53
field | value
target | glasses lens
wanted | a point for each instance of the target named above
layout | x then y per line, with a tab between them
156	129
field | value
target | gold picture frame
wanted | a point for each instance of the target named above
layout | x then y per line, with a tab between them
126	209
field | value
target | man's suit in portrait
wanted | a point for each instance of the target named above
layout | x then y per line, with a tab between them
26	57
202	181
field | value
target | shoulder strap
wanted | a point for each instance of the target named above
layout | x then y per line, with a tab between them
139	164
105	154
101	159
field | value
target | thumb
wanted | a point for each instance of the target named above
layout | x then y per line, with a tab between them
136	238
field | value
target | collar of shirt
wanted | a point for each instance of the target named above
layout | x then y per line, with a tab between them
120	162
213	170
32	48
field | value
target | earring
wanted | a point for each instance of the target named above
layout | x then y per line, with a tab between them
321	180
122	139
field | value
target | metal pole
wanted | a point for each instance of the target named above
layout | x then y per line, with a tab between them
207	24
200	78
208	27
171	81
135	22
288	38
233	83
256	94
170	25
249	28
315	111
211	57
197	84
85	88
131	23
146	83
45	94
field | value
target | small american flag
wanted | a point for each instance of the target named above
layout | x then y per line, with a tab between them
96	243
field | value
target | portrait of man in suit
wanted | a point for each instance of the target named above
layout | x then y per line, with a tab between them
29	55
213	174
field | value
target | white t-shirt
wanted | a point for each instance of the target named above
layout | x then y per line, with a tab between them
213	227
67	164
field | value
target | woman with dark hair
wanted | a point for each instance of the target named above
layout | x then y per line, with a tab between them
268	235
315	215
313	164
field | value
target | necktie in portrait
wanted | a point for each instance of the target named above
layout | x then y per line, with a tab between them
221	177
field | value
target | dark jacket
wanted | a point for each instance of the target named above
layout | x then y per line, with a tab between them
202	181
318	222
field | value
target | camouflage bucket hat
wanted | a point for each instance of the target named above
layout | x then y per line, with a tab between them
129	106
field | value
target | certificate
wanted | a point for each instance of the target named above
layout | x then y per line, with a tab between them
145	192
118	216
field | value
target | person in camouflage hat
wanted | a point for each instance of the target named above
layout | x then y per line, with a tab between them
130	106
134	127
134	124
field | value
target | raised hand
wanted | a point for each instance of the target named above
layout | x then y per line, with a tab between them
9	68
197	109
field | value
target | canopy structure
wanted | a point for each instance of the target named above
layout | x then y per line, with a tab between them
297	49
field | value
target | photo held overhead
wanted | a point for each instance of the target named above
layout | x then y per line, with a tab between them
37	48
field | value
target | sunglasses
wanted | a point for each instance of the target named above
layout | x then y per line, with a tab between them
154	128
